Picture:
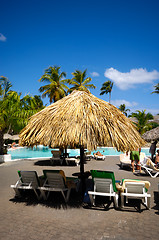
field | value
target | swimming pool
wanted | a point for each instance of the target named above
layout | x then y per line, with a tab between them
45	152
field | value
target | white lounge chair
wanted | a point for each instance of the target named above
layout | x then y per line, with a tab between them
28	181
97	157
72	161
104	185
88	156
56	157
135	189
125	160
55	182
149	167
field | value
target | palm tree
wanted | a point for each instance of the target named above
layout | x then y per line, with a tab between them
142	121
123	109
55	87
38	102
5	85
32	102
14	114
107	88
80	82
156	88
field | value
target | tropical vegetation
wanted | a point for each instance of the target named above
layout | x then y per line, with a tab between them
156	88
14	110
107	88
123	109
80	81
143	124
55	87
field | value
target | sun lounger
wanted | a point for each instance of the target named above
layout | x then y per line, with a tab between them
99	157
88	156
56	157
149	167
56	181
149	171
72	161
104	185
125	160
135	189
28	181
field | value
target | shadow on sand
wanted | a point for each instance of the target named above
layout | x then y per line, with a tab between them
48	163
156	201
55	200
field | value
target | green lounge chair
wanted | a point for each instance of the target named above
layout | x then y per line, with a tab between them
104	185
56	181
28	180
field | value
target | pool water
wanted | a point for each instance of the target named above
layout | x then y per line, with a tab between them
39	152
45	152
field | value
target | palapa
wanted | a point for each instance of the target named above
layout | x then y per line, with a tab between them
152	135
81	119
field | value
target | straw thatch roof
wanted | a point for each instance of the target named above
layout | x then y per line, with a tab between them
81	119
152	135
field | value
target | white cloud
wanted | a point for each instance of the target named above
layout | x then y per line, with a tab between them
2	37
152	111
118	102
95	74
128	80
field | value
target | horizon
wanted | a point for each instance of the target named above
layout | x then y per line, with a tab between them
113	40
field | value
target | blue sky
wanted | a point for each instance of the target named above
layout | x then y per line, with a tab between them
115	40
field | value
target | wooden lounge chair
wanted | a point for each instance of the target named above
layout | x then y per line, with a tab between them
28	181
56	181
135	189
104	185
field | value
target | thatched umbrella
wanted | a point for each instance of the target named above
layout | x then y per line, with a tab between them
81	119
152	135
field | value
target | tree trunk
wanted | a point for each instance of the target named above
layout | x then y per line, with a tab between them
109	97
1	143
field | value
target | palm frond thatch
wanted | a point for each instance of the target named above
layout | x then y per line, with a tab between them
81	119
152	135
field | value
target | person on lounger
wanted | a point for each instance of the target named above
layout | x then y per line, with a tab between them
157	158
149	163
98	154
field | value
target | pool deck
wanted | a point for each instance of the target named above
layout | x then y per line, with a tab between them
36	220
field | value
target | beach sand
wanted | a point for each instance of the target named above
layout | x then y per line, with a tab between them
37	220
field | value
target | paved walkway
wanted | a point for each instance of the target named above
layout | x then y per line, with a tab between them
33	220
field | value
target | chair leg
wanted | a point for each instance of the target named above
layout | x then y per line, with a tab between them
68	194
148	202
17	192
92	199
116	201
66	198
122	201
37	195
44	195
156	174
